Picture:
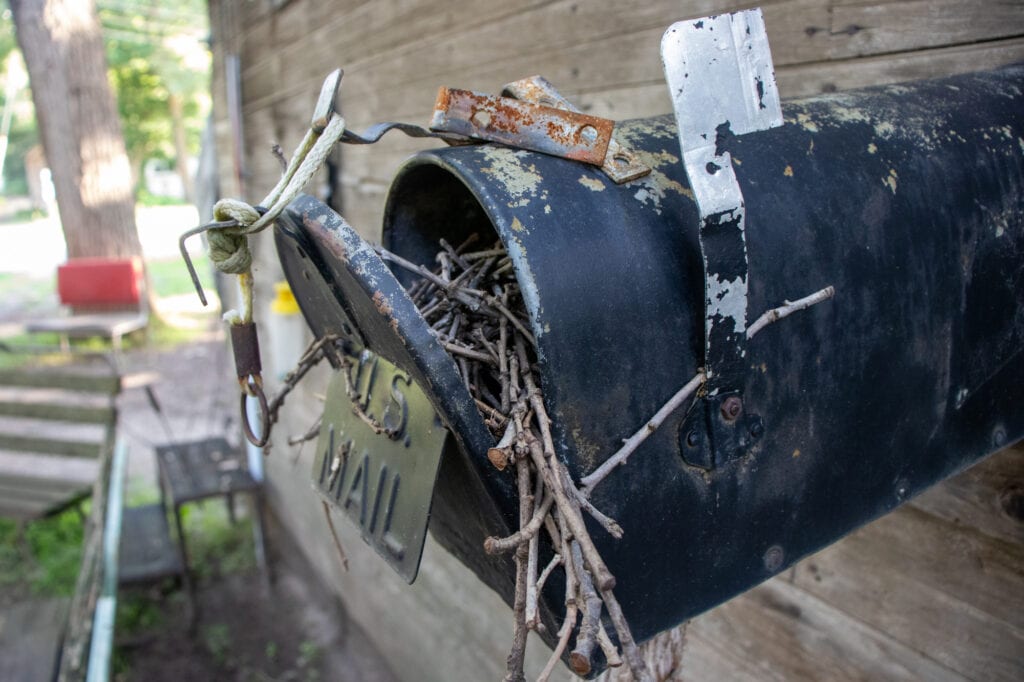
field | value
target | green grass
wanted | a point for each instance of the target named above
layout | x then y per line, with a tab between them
169	277
144	198
217	546
46	560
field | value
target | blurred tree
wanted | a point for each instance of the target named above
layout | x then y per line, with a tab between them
159	67
80	129
17	130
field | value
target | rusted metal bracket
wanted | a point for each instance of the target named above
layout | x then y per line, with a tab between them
524	125
620	163
722	83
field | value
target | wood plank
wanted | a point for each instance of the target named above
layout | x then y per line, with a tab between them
50	446
941	589
73	470
779	632
987	497
71	381
875	28
30	634
649	99
623	37
58	412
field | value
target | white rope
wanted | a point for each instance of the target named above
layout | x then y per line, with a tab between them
229	248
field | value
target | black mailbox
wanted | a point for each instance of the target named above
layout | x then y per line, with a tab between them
906	199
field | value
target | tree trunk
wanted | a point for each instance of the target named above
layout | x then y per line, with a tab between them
79	125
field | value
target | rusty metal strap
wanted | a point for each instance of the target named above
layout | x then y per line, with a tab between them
523	125
620	163
378	130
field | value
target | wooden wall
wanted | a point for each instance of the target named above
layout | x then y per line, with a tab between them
831	614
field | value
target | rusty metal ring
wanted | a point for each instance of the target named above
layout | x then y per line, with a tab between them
256	390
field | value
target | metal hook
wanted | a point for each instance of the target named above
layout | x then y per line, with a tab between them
215	225
255	389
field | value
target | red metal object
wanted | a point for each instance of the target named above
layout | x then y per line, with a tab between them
523	125
91	282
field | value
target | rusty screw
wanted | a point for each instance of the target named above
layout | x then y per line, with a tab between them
731	408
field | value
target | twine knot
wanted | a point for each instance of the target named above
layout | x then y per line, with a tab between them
229	247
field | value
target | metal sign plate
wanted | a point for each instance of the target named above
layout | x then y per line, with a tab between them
382	481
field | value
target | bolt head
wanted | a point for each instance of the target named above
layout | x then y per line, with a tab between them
731	408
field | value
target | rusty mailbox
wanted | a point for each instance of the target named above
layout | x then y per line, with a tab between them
906	199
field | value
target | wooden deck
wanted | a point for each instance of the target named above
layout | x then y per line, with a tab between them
933	591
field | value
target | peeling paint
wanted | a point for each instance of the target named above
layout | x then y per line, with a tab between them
788	172
517	226
805	122
520	182
728	299
593	184
872	148
890	180
884	129
547	209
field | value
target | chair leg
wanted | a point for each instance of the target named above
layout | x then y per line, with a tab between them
259	540
186	575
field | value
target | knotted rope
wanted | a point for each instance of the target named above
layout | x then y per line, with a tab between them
229	246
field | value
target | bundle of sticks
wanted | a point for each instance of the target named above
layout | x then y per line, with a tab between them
473	303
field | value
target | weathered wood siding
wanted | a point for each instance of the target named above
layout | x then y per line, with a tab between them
933	591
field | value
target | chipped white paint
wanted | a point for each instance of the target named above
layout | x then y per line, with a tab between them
884	129
890	180
727	299
507	167
872	148
593	184
720	76
806	123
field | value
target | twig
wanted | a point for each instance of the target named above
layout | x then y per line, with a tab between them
571	609
790	307
493	545
514	663
552	565
608	523
570	514
629	446
468	353
611	654
630	651
334	535
533	556
579	658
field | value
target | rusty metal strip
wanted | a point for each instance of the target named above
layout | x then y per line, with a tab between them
524	125
620	163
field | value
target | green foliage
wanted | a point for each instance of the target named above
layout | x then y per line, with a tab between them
170	277
145	198
217	546
45	561
154	52
216	638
